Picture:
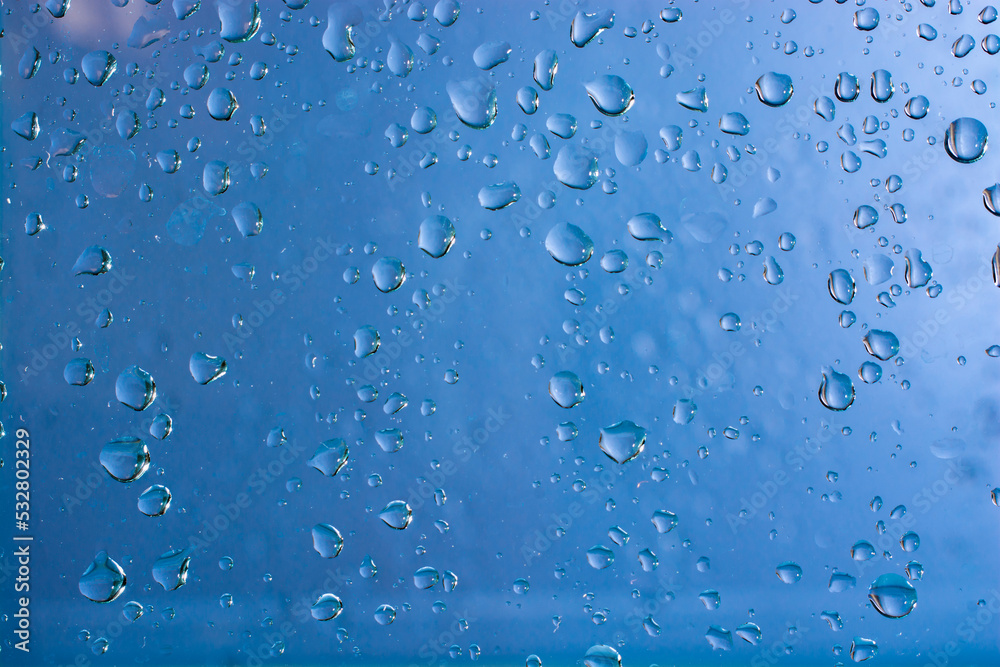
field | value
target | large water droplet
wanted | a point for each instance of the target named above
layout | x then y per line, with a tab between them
474	102
866	19
836	391
664	521
576	167
388	274
425	577
695	99
566	389
436	235
546	66
882	87
646	227
863	649
171	569
622	441
330	456
104	579
789	572
135	388
222	104
499	195
892	595
338	36
327	607
327	540
396	514
154	501
240	20
490	54
206	368
774	89
98	66
965	140
568	244
93	261
917	272
126	459
847	88
215	177
79	372
611	94
586	27
600	557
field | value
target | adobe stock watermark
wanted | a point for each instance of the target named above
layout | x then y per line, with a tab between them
795	459
538	542
712	373
463	449
967	630
257	482
641	618
89	309
295	278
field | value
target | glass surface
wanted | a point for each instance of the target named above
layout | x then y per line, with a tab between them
543	333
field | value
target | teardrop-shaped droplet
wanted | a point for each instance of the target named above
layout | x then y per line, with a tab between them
882	87
772	272
490	54
836	391
330	456
338	38
865	216
846	88
171	569
248	218
327	540
917	272
104	579
622	441
586	27
396	514
327	607
646	227
695	99
366	341
474	102
600	557
126	459
93	261
206	368
135	388
400	58
611	94
880	344
789	572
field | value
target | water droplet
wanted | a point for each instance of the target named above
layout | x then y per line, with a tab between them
576	167
840	582
730	322
566	389
155	501
425	577
527	99
910	541
862	551
327	607
824	108
327	540
490	54
772	272
388	274
870	372
135	388
878	269
664	521
963	46
104	579
882	345
568	244
436	235
498	196
79	372
206	368
600	557
330	456
866	19
695	99
789	572
545	68
385	614
622	441
474	102
240	20
836	391
390	440
847	88
774	89
882	87
586	27
98	66
215	177
396	514
965	140
171	569
630	147
892	596
684	411
719	638
93	261
863	649
734	123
